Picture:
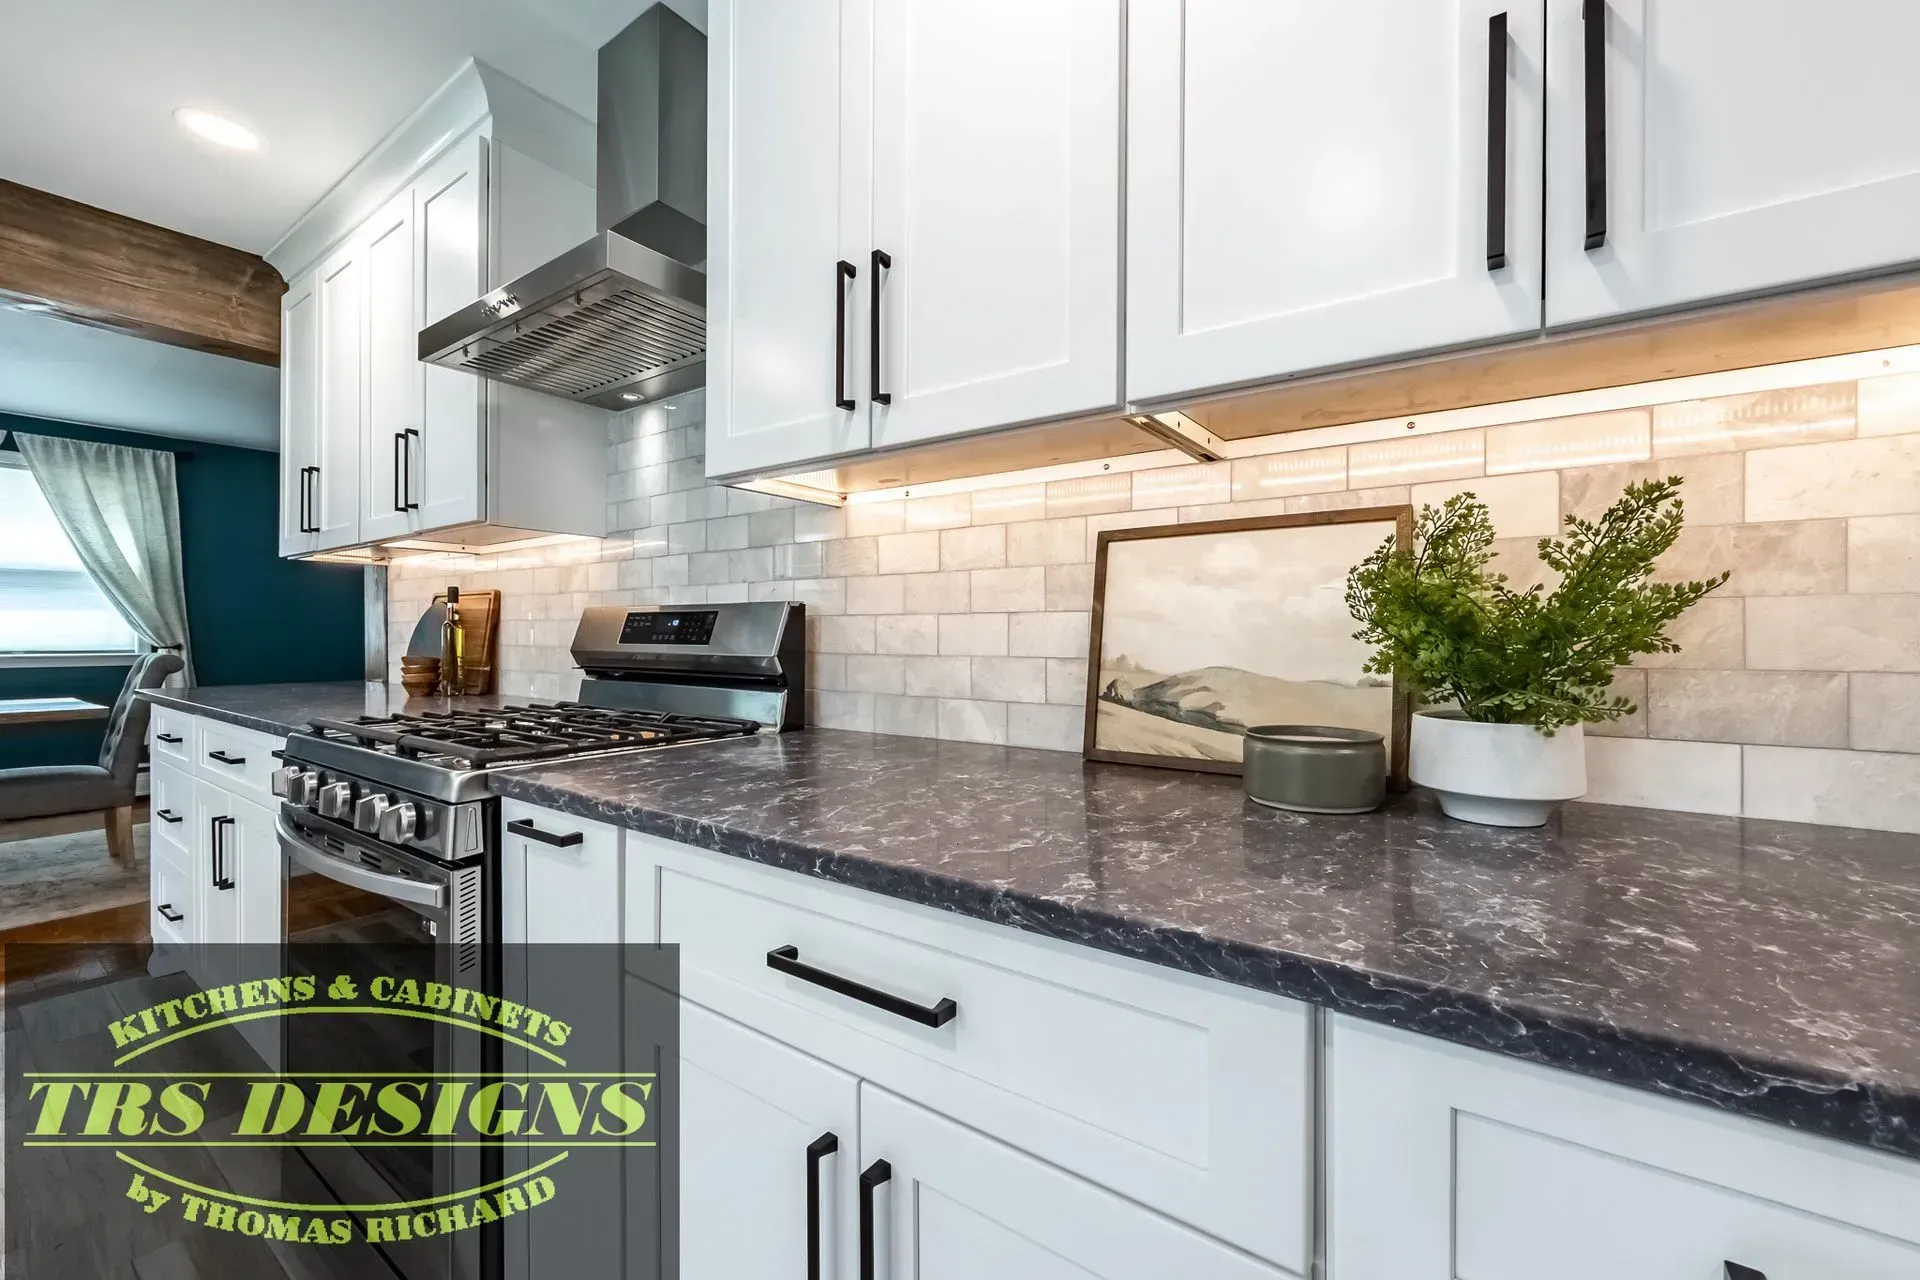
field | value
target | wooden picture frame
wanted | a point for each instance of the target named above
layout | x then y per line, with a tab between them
1397	521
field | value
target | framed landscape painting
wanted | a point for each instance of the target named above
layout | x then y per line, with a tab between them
1202	631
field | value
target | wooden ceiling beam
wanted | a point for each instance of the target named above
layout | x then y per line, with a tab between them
95	267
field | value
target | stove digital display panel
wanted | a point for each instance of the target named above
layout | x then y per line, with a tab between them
678	626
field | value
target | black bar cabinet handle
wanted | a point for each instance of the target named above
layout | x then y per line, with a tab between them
304	473
168	914
406	460
174	738
787	960
310	498
872	1176
817	1150
843	271
224	758
882	261
399	451
1496	142
221	880
524	827
167	815
1594	14
1737	1272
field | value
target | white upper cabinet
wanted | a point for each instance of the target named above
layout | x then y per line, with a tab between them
789	230
1307	184
996	216
393	381
377	446
1749	145
334	505
444	485
299	412
957	166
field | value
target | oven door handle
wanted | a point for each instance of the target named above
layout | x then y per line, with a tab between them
399	888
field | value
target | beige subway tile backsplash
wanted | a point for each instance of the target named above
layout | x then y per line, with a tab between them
1873	477
1558	443
1834	633
1796	692
1761	420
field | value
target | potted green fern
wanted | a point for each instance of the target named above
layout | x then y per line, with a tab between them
1511	676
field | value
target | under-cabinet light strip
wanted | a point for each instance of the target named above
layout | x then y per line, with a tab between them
1702	386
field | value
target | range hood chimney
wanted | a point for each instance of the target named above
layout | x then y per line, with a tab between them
622	318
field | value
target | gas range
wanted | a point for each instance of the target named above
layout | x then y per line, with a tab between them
657	678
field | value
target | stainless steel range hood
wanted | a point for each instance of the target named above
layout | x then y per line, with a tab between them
621	319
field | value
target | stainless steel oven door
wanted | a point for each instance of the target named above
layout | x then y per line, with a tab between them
358	905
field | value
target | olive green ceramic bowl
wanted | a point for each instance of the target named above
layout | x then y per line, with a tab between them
1312	768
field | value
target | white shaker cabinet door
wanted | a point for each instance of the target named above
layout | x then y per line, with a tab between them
1749	146
789	168
443	479
1307	184
766	1127
299	412
945	1202
335	504
994	273
393	372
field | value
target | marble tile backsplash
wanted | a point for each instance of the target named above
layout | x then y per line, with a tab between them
1796	694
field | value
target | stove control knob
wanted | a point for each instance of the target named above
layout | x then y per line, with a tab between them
367	811
398	822
336	799
297	785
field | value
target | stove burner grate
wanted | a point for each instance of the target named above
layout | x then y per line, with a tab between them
519	735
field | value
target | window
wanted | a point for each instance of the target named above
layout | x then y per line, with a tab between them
48	601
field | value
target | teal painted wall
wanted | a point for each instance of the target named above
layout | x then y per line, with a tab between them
255	618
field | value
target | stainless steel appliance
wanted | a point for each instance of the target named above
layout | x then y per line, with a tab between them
621	318
389	832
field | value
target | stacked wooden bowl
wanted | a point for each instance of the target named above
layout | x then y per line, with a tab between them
419	676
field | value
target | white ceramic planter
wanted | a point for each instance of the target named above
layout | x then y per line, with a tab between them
1504	775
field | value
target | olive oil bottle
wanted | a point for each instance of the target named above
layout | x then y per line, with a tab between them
452	645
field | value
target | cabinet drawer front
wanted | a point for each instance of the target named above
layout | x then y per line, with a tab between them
238	760
560	877
170	822
170	735
1187	1095
170	895
1448	1161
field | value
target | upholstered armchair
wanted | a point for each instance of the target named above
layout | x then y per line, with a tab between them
45	791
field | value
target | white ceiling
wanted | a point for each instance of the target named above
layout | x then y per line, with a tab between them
90	89
53	368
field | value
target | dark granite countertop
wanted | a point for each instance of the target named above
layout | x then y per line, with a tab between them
1770	969
1766	968
282	708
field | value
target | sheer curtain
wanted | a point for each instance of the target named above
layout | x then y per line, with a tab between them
120	508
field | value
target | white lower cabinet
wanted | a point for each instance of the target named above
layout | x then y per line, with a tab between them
764	1125
1079	1115
949	1203
1444	1161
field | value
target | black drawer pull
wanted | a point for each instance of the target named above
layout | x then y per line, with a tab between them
881	262
1737	1272
1594	14
168	914
174	738
224	758
872	1176
167	815
221	880
817	1150
787	960
1496	142
843	271
523	827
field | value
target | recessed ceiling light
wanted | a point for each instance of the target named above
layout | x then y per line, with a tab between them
217	129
